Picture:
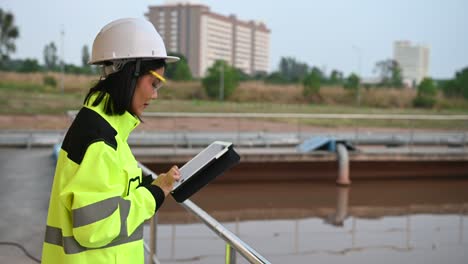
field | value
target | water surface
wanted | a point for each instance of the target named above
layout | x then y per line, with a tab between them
404	221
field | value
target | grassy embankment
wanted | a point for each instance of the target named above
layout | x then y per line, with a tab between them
27	94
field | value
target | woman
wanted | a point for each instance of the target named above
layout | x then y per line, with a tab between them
99	199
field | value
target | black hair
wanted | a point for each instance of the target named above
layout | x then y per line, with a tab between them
121	85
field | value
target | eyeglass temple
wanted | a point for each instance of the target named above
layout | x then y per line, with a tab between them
155	74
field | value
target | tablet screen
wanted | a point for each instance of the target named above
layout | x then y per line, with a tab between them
200	160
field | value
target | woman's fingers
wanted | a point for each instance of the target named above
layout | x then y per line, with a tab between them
175	172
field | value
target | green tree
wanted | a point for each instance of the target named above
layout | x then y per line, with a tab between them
182	72
427	88
390	73
461	79
323	78
276	78
397	76
457	86
50	56
8	33
242	75
213	83
72	68
260	75
29	65
85	56
292	70
336	77
86	68
22	65
311	84
352	82
179	71
450	88
426	94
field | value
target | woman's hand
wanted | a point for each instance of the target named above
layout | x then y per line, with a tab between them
165	181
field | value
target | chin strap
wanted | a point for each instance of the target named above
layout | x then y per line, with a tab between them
136	74
137	69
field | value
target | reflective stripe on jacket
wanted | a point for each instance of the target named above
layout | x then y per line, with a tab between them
98	203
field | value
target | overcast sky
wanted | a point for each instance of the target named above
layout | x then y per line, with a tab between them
330	34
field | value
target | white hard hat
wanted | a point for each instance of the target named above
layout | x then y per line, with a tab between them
128	39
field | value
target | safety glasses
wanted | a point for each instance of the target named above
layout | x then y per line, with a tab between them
159	82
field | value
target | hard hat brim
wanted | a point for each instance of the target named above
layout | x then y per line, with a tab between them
172	59
168	59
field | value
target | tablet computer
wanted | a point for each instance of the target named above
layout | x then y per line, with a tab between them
203	168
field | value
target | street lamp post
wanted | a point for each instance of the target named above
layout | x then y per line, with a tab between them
359	55
221	82
62	63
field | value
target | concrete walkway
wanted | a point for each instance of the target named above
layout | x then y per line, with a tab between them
25	182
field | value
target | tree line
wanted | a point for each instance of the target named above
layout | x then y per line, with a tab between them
222	79
291	71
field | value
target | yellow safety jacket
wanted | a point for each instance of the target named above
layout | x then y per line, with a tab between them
99	200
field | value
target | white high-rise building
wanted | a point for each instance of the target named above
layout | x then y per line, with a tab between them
204	37
413	61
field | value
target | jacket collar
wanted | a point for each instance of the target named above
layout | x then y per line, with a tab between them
124	124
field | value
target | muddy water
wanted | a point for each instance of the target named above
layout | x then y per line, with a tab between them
387	221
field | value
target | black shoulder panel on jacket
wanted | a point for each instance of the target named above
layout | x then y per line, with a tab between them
87	128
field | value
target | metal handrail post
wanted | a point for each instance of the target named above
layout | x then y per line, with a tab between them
30	140
154	236
464	140
411	141
175	134
230	254
238	131
299	133
245	250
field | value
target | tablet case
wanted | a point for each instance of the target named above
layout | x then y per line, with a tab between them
206	175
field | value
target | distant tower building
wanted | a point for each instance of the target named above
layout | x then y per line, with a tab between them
413	61
204	37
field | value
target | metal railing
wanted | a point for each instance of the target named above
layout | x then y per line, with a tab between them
191	139
307	116
298	125
233	243
297	131
179	135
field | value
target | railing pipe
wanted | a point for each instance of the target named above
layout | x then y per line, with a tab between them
231	239
309	116
301	115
